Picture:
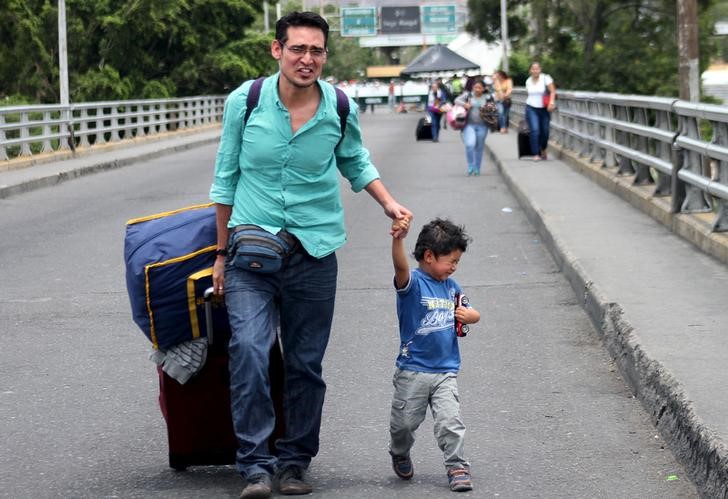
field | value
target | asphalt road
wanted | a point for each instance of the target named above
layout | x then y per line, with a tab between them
547	413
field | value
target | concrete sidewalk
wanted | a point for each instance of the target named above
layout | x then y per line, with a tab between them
658	301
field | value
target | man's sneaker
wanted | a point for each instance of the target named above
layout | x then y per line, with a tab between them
259	487
459	479
402	466
291	483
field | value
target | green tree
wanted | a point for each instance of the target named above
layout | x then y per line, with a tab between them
599	45
132	49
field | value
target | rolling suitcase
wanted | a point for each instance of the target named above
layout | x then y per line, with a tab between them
524	140
197	413
424	129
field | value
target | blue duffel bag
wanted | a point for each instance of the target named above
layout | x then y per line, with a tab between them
169	258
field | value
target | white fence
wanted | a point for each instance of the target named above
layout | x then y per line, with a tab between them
29	130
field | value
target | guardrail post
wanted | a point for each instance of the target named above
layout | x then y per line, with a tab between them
99	135
83	132
47	147
114	117
624	164
25	134
642	172
610	159
663	150
598	134
583	129
677	186
719	173
3	151
696	200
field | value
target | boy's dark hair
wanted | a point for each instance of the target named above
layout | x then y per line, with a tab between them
297	19
440	236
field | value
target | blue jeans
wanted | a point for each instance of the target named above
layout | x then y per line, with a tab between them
538	119
474	139
300	297
503	114
435	118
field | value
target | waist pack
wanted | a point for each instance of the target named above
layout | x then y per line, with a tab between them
169	258
256	249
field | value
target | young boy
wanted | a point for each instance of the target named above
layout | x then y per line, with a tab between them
429	358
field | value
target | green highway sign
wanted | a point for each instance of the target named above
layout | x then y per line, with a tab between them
361	21
438	19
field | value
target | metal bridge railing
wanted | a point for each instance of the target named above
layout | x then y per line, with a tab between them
29	130
679	147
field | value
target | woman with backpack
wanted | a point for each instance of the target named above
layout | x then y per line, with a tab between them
541	100
478	104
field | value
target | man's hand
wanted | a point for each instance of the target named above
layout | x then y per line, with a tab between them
218	276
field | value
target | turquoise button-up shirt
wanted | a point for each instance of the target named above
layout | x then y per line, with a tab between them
278	180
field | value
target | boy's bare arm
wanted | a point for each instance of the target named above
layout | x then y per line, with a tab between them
399	255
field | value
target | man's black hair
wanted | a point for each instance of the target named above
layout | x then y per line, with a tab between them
441	236
301	19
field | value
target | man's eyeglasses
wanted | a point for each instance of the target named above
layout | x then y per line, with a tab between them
300	50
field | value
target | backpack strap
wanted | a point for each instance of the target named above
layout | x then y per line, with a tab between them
253	97
342	108
342	104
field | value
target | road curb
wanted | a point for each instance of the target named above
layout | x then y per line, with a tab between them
703	454
7	191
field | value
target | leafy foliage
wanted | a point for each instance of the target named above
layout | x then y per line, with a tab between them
598	45
132	49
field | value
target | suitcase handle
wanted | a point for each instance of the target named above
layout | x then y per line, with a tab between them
208	313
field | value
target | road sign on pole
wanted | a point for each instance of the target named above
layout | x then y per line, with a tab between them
361	21
438	19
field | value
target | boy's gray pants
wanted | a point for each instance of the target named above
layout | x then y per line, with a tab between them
413	393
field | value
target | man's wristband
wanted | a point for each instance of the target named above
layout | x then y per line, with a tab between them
221	252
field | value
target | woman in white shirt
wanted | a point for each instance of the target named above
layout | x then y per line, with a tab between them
538	115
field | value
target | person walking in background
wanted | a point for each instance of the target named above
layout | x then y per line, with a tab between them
436	98
503	86
456	84
429	358
475	130
291	143
540	101
391	95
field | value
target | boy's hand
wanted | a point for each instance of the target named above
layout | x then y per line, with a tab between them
400	227
467	315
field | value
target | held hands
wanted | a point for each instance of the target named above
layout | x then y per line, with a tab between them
401	218
400	227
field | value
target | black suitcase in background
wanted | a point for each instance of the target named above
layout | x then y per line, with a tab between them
424	129
524	140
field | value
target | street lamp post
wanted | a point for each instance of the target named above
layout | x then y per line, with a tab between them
63	74
62	52
504	35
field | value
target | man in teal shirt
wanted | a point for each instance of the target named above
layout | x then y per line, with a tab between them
280	171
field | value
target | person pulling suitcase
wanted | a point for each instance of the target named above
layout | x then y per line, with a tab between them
293	262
